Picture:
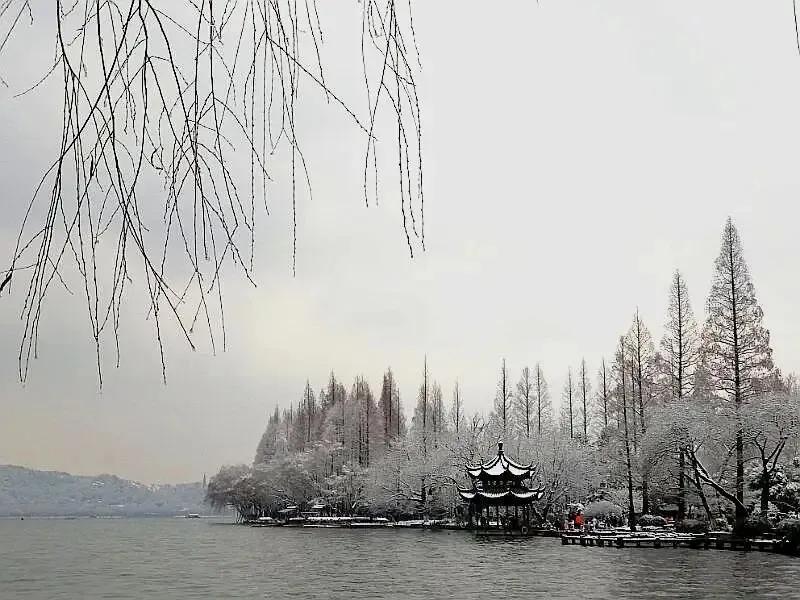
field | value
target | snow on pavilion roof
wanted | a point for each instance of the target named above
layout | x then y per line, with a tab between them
501	495
499	466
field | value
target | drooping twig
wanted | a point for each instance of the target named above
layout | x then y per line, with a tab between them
165	93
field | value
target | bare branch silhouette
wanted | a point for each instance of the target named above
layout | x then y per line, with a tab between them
164	94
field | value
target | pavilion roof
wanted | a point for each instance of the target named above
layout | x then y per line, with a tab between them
501	495
499	466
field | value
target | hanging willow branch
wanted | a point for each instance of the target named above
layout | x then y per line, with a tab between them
157	99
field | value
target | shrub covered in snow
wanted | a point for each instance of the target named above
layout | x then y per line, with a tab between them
652	521
691	526
756	526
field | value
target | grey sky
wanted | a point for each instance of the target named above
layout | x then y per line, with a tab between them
575	154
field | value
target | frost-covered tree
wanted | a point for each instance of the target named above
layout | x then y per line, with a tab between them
567	406
457	410
680	344
680	354
585	390
603	392
621	369
768	426
421	420
524	402
438	413
642	355
735	344
368	421
389	407
309	410
502	400
544	408
268	446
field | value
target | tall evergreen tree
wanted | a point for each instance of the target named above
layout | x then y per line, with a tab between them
621	367
524	405
567	406
680	344
543	406
502	402
585	391
735	344
388	406
603	391
642	355
457	409
421	420
268	446
309	411
680	352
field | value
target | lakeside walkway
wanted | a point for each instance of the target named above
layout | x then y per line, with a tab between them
718	540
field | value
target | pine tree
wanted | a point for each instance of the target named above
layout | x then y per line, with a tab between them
502	402
457	409
268	446
309	410
585	391
680	352
641	353
735	344
679	345
437	413
603	392
388	407
543	405
621	368
524	405
422	410
567	408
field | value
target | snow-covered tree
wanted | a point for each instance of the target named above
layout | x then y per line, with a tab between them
680	355
457	419
768	425
502	401
603	392
680	344
567	406
735	344
544	410
642	354
268	446
438	413
389	408
524	403
585	391
621	368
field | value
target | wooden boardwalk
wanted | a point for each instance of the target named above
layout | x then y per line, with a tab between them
700	542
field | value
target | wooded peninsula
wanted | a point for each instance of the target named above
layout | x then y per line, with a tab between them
700	427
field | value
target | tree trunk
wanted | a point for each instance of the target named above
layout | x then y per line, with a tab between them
681	486
631	508
766	481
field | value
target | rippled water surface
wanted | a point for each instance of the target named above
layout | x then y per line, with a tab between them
198	558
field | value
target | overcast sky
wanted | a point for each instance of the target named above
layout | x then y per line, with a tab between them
576	153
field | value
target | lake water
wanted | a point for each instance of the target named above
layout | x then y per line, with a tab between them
201	558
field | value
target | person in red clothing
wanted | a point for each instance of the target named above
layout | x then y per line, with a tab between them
579	521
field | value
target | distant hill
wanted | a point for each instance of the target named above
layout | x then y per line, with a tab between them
51	493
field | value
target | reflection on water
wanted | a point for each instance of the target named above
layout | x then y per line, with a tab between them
180	558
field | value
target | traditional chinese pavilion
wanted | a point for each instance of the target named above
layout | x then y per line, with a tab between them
501	483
